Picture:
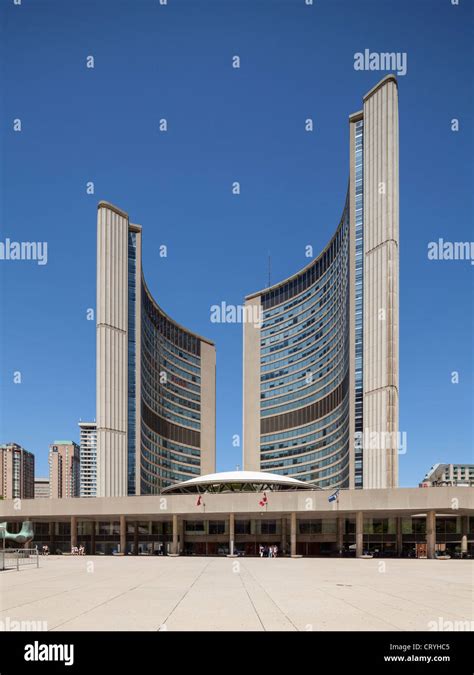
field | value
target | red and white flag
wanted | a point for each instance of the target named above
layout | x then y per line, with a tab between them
263	500
199	501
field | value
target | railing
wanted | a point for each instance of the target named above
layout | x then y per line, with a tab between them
17	557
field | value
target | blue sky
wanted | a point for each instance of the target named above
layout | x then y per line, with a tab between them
225	125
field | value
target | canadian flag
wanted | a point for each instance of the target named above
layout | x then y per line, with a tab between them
263	500
199	501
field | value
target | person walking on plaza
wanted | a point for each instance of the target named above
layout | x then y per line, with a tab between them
260	550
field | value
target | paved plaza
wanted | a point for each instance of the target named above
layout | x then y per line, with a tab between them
191	593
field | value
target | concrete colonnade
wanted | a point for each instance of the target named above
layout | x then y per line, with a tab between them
178	531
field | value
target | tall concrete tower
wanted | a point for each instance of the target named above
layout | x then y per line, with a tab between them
321	363
156	397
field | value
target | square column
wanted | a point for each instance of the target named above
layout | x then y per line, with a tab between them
174	546
52	536
464	528
73	531
340	528
181	536
231	534
431	534
283	536
123	535
359	534
293	535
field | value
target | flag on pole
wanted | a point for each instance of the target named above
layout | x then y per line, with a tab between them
263	500
334	496
199	501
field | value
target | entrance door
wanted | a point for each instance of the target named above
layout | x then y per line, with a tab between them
313	548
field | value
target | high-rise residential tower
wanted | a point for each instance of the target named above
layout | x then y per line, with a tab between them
156	396
64	469
88	452
321	363
17	472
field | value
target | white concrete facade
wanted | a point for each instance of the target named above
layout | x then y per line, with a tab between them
380	369
112	334
208	408
251	388
389	501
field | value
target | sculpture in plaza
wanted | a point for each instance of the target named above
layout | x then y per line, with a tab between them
25	534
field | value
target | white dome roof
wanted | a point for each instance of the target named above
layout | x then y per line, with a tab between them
240	477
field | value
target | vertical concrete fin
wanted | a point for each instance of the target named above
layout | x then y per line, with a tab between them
112	361
381	285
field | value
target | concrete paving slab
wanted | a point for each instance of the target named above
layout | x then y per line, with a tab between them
283	594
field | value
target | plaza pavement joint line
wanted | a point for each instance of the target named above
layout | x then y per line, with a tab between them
105	602
252	603
270	597
163	623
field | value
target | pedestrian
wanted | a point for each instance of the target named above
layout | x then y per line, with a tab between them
275	551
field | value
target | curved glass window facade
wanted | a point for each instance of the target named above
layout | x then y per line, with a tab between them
303	359
321	361
170	400
156	380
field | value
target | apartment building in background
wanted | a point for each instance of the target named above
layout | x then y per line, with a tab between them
443	475
64	469
42	488
17	471
88	456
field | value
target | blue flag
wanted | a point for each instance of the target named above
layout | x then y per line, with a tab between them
334	496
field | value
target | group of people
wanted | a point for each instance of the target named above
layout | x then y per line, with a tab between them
268	551
78	550
45	549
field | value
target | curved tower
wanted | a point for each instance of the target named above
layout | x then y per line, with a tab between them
321	361
155	379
